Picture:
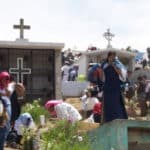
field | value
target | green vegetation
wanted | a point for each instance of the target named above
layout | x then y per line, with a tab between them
60	135
64	136
35	109
81	78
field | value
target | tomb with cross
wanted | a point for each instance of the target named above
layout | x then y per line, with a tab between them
98	56
36	64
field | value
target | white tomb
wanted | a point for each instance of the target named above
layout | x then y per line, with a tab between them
97	56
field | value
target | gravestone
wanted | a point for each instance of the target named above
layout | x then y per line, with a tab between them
122	135
35	64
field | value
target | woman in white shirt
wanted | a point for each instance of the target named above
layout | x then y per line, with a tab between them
63	110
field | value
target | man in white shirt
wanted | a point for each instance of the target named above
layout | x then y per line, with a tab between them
65	71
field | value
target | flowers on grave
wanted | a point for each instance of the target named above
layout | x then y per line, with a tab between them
36	110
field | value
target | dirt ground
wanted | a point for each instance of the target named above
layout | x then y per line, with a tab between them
76	102
84	126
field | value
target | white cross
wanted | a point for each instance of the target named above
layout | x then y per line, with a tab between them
108	36
19	70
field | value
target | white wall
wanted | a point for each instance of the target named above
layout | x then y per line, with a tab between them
73	88
82	65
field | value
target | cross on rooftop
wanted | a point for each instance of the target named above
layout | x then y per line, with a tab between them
21	27
20	70
108	36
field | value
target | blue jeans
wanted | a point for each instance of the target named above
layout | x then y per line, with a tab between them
2	137
8	109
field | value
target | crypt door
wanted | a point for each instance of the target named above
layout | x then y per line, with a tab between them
34	67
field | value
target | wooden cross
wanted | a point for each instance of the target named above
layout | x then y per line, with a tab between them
21	27
20	70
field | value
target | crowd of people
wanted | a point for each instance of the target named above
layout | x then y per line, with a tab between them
69	72
102	101
115	86
110	86
90	112
105	90
69	68
10	104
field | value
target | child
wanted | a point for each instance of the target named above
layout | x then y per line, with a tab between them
89	101
97	111
96	115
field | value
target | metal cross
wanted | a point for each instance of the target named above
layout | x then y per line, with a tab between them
21	27
108	36
19	70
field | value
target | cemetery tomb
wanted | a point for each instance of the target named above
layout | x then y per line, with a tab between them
36	65
122	135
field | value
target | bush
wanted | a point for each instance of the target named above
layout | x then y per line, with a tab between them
81	78
35	109
64	136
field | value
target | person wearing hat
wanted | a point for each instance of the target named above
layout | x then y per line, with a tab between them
63	110
23	123
5	93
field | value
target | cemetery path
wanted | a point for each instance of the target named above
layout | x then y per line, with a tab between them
76	102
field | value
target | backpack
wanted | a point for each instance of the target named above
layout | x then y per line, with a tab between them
92	73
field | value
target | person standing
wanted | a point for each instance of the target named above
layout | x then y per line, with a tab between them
113	100
5	91
16	100
141	95
65	71
3	122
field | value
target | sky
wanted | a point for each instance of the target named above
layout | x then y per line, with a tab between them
79	23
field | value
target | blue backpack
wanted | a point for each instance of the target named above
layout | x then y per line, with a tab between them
91	72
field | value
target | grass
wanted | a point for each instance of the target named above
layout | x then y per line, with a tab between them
63	135
35	109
